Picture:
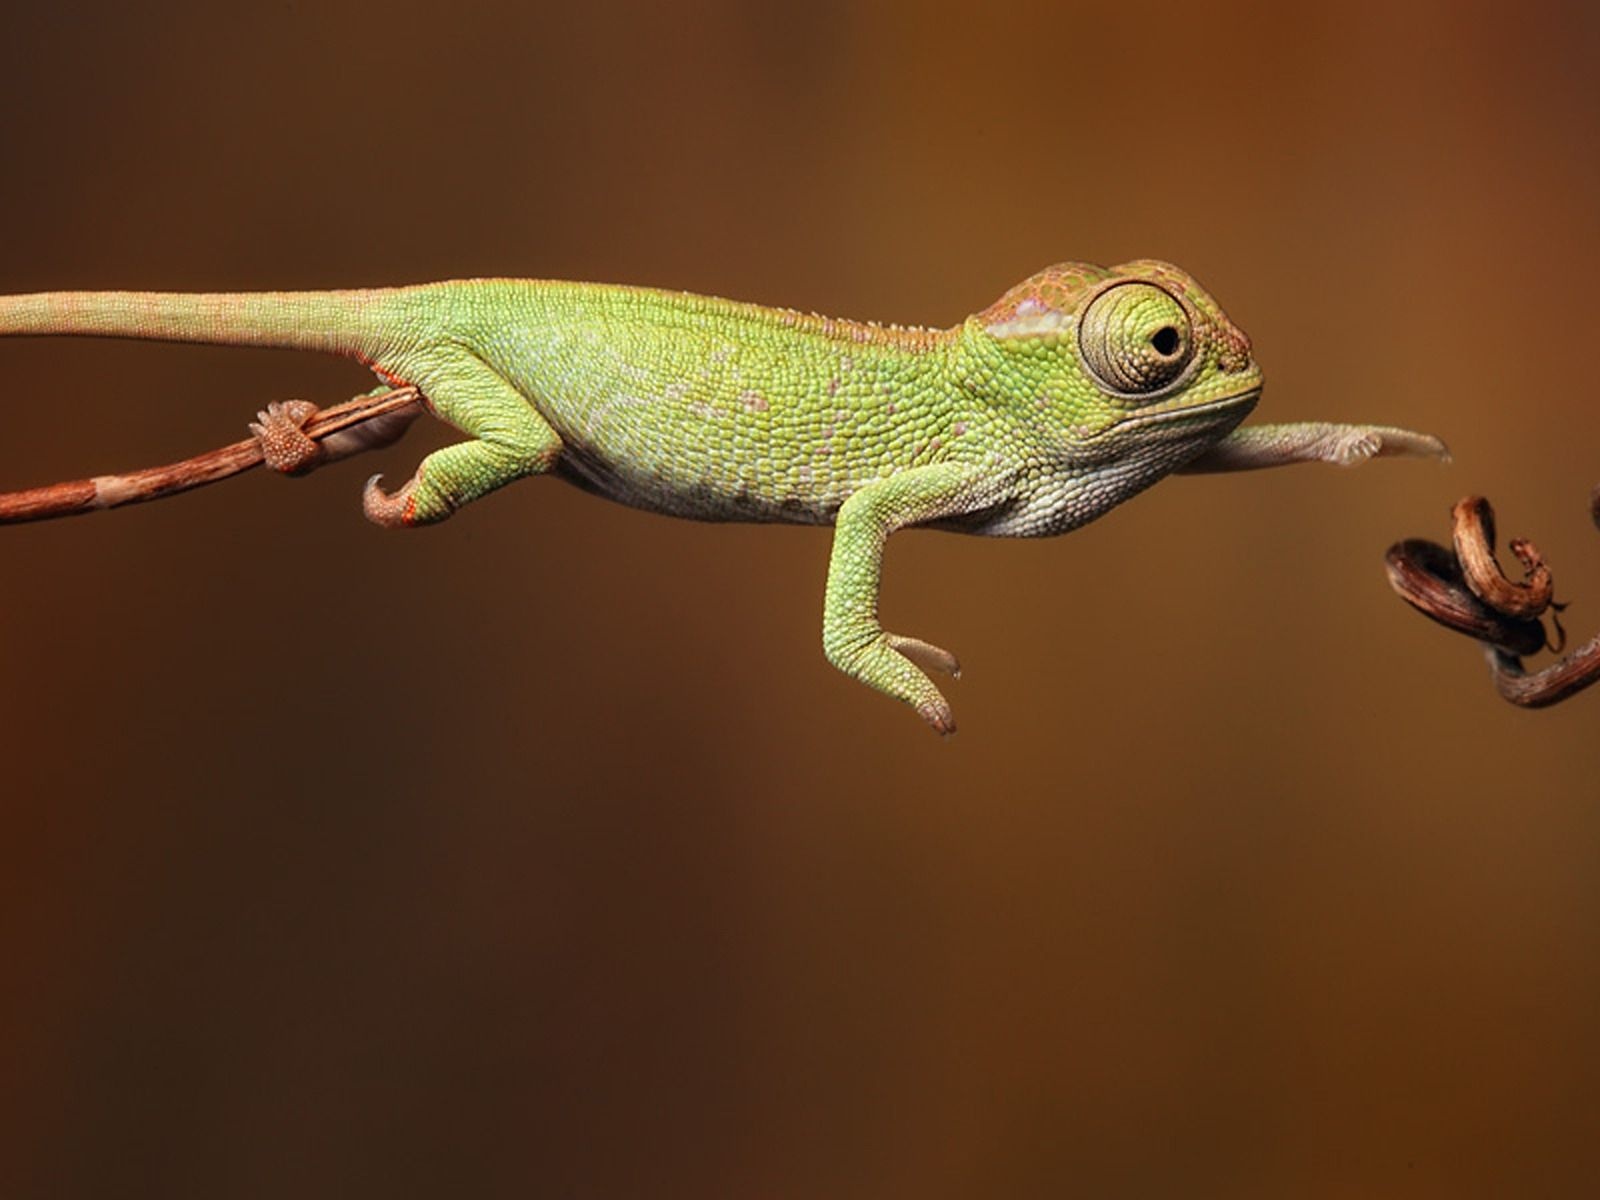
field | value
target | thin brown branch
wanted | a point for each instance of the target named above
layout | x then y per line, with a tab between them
1466	591
1550	686
153	483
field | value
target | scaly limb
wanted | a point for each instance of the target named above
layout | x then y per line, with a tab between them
852	638
1255	446
1467	592
510	441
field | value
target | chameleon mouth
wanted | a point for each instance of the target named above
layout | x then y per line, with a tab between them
1234	407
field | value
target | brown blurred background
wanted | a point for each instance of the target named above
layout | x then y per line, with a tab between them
541	853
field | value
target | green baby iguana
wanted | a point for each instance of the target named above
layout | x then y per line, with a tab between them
1077	389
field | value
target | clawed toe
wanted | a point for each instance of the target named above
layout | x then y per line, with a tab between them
392	510
925	654
1418	445
1358	448
939	716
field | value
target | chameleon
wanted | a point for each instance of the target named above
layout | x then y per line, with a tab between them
1074	391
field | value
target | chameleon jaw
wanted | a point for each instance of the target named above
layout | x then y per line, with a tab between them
1158	415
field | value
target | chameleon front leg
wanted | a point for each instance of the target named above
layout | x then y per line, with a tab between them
1256	446
851	636
510	441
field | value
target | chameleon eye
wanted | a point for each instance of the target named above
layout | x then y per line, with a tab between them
1135	339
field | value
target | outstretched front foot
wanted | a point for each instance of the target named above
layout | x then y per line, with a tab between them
285	445
1252	447
1347	445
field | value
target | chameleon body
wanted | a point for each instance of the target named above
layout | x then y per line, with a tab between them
1077	389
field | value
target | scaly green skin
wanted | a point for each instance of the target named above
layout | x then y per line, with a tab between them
1075	390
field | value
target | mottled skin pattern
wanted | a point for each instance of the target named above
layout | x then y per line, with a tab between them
1075	390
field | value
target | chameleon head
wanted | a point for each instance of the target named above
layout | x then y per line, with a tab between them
1134	365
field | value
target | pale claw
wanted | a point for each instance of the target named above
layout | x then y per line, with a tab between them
925	654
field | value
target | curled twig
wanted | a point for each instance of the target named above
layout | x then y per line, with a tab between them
1473	535
1431	578
152	483
1467	592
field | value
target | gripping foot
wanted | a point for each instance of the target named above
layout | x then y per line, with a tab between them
285	446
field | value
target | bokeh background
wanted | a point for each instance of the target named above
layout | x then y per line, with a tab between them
541	853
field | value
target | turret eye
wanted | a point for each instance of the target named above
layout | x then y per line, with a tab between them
1135	339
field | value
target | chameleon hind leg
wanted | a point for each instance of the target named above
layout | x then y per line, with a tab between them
510	441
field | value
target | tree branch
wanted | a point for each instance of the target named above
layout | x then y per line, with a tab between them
154	483
1465	590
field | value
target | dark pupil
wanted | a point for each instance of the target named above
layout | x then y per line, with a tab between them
1165	340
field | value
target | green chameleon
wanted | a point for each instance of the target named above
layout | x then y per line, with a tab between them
1077	389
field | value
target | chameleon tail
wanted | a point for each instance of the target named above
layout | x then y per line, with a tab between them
360	324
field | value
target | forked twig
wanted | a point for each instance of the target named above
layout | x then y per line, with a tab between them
153	483
1467	592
